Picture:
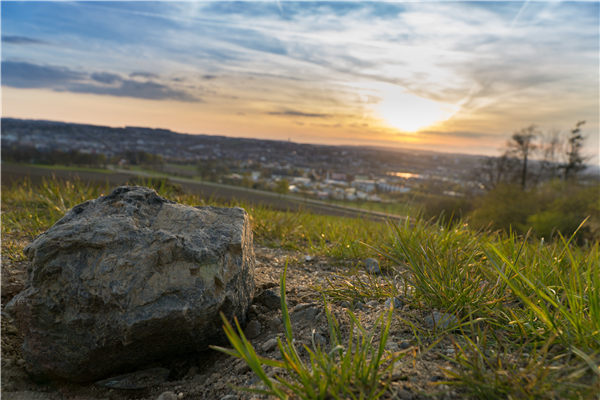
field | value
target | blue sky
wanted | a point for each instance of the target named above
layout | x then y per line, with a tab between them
450	76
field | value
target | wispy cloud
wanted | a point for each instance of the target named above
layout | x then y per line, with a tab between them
23	40
296	113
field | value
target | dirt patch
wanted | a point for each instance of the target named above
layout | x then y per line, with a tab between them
212	375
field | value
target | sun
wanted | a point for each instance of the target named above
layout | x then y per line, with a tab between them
410	113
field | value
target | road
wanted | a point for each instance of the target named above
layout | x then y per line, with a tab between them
208	190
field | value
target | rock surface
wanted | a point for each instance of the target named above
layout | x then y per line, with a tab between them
129	278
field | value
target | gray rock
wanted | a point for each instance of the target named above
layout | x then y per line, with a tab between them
398	303
372	303
252	329
438	320
269	345
405	344
304	313
275	323
167	396
136	380
345	304
372	266
129	278
269	299
230	397
319	339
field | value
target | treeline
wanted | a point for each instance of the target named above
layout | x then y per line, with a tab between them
536	185
32	155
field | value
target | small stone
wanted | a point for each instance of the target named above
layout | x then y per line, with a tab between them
269	299
308	258
269	345
20	362
359	305
167	396
230	397
438	320
372	303
180	395
303	313
136	380
372	266
319	340
275	323
7	362
345	304
242	368
394	300
405	344
252	329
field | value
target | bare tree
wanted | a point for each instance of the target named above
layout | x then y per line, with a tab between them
521	146
575	161
550	148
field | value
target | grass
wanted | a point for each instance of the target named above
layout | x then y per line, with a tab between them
352	369
529	310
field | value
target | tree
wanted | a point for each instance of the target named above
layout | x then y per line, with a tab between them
575	160
282	186
521	146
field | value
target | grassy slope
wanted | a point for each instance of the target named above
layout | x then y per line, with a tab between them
527	312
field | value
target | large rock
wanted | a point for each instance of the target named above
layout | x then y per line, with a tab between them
129	278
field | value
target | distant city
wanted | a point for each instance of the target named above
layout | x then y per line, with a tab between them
344	173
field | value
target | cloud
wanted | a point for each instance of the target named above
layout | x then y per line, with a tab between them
28	75
106	77
141	74
295	113
22	40
141	90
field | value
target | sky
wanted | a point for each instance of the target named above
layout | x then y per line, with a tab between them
443	76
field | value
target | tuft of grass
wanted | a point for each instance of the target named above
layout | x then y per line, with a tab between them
488	368
444	264
354	369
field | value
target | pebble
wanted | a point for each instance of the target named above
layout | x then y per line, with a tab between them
345	304
320	340
405	344
21	362
308	258
167	396
180	395
359	305
241	368
372	303
269	299
269	345
438	320
275	323
306	312
396	301
372	266
252	329
230	397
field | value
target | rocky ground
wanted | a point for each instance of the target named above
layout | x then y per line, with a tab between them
212	375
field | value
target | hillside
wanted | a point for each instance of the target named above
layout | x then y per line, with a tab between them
476	314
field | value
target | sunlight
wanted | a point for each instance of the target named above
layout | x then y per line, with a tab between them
408	112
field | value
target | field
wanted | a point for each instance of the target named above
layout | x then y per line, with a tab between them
516	317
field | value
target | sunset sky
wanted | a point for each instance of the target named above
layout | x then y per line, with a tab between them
442	76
